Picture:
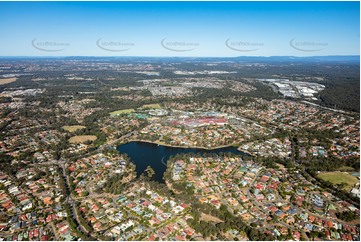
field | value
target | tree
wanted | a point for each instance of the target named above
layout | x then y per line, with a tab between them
347	215
150	172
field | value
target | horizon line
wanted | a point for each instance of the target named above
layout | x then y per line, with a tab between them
154	56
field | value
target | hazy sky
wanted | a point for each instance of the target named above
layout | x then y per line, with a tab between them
179	28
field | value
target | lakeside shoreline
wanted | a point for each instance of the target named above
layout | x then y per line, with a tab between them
182	147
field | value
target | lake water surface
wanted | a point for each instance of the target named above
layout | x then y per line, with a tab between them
147	154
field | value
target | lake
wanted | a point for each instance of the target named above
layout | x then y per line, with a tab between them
147	154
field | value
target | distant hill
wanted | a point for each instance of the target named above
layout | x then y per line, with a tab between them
331	58
251	59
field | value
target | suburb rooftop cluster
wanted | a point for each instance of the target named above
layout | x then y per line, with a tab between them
128	148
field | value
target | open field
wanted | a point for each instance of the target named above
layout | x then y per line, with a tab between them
123	111
7	80
338	178
73	128
82	139
210	218
151	106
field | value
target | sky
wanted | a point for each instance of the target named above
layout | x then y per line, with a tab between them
214	29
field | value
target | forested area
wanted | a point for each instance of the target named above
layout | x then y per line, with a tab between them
340	78
342	94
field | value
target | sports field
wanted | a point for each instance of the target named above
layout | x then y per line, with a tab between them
151	106
337	177
123	111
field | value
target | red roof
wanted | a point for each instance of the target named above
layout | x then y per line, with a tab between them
273	209
183	205
31	234
146	203
179	238
264	178
95	207
44	238
329	223
349	237
296	234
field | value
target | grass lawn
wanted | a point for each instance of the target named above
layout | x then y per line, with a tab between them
152	106
82	139
123	111
73	128
338	178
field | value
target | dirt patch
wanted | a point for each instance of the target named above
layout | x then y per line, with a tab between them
73	128
240	237
210	218
7	80
282	167
82	139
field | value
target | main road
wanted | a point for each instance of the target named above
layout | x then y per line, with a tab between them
111	142
70	200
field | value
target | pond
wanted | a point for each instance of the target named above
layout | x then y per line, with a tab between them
145	154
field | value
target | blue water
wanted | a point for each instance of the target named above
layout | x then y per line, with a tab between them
146	154
356	174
